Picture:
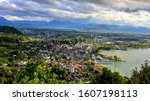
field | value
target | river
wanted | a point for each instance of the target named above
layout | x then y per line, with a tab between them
132	57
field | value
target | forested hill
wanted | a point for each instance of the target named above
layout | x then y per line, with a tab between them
9	30
11	35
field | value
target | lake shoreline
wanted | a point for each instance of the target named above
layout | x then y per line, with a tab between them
132	58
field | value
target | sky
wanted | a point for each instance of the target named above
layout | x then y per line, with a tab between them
118	12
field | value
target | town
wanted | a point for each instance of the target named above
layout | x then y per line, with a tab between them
74	57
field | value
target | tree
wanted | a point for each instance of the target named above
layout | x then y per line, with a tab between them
60	71
107	77
142	76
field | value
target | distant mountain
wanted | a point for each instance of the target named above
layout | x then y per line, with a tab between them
78	24
4	21
116	28
9	30
55	23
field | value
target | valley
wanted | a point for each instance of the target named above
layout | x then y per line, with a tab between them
71	56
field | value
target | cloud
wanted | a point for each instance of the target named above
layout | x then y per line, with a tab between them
7	5
68	5
120	4
28	18
51	2
62	13
123	12
9	17
140	18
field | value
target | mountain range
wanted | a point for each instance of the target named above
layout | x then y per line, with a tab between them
75	25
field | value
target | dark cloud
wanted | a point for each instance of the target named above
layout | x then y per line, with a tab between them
120	11
131	5
68	5
51	2
84	6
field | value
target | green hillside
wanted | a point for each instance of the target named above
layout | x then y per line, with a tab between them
11	44
9	30
11	35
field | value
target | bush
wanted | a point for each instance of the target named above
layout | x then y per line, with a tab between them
142	76
107	77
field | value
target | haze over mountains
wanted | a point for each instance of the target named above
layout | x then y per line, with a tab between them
76	24
99	15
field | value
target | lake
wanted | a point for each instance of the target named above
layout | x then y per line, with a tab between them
132	57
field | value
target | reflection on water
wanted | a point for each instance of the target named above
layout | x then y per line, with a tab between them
133	58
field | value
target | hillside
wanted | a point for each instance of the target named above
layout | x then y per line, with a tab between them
11	35
11	44
9	30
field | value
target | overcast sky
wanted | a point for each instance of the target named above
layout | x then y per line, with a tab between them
121	12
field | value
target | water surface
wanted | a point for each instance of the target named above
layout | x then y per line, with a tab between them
133	57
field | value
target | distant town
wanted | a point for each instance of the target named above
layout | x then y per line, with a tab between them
36	55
